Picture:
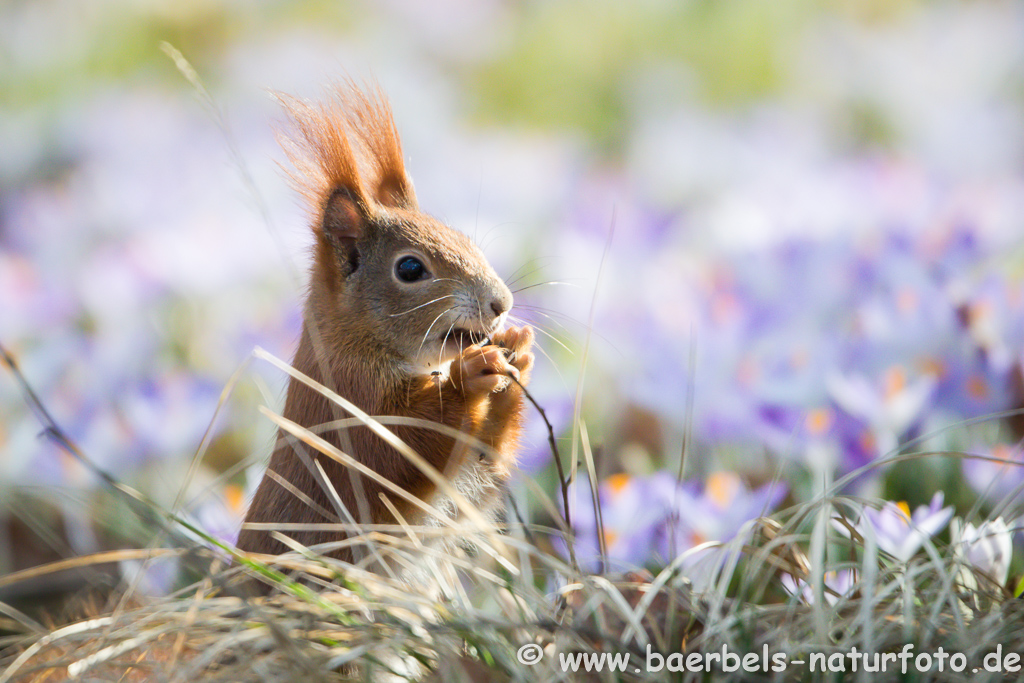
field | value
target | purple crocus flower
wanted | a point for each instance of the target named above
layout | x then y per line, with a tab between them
817	434
969	385
898	532
892	404
715	512
630	515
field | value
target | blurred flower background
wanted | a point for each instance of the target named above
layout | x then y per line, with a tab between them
815	211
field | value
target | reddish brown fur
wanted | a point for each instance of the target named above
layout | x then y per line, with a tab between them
350	144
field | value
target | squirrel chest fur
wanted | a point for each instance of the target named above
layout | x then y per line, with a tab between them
406	319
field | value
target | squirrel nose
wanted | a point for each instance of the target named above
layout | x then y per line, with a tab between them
501	304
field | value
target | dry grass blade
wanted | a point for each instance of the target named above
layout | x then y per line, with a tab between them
86	561
588	456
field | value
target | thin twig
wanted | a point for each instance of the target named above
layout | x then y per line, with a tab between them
563	482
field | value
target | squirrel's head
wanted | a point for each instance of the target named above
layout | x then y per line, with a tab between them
384	273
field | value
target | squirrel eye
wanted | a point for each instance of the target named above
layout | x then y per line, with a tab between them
410	269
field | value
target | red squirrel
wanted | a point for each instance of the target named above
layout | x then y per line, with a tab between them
404	317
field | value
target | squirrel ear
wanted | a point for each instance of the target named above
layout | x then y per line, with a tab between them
344	222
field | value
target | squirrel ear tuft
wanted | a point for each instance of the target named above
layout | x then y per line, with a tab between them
344	222
395	190
369	118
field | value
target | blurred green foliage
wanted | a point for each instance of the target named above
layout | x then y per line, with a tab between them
574	64
116	43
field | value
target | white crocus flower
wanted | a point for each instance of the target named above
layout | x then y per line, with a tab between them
987	548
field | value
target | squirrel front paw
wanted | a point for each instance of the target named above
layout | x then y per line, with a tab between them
481	370
517	342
